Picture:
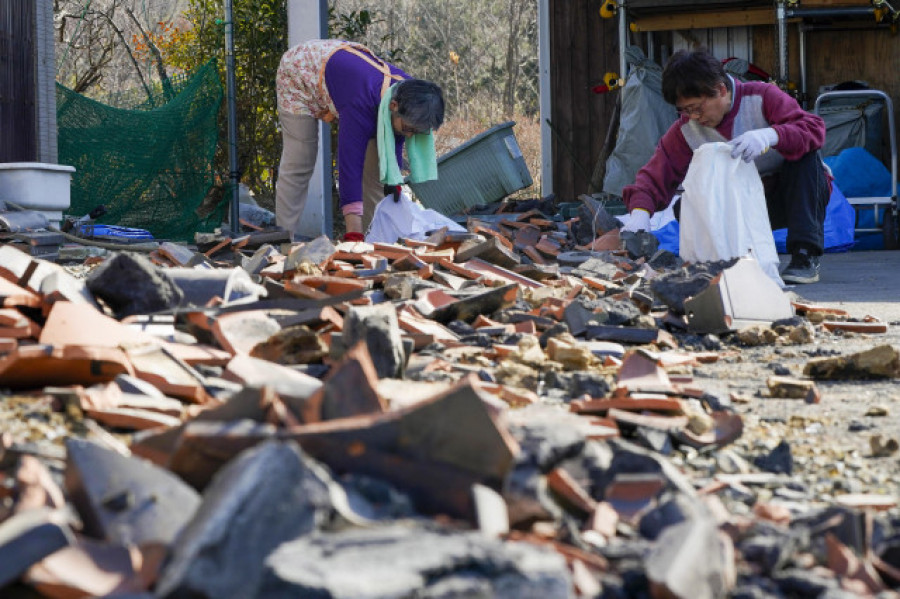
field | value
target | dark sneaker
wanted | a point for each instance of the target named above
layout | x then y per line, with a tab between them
803	268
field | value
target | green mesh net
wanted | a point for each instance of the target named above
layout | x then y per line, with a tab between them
151	166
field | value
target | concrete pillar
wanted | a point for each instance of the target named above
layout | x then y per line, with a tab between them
545	97
45	81
308	19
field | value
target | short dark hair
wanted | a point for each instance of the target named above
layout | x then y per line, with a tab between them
692	74
420	104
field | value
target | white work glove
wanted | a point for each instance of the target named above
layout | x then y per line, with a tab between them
639	220
753	144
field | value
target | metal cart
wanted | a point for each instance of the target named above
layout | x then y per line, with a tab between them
888	226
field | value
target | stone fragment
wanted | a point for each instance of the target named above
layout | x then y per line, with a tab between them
790	388
883	447
691	559
268	495
640	244
491	250
592	266
126	500
673	510
292	345
378	328
130	284
757	334
882	361
414	561
260	259
621	334
779	460
593	220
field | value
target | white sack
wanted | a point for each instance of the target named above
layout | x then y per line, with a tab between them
405	219
723	211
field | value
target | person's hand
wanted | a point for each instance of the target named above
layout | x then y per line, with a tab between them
639	221
753	144
392	190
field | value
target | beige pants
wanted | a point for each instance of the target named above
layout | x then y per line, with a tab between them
300	138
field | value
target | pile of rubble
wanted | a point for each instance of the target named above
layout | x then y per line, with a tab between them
508	412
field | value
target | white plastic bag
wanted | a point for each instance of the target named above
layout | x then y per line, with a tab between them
723	211
405	219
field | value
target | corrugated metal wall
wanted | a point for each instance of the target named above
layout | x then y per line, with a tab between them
45	83
18	141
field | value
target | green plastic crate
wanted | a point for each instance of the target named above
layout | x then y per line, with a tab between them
485	169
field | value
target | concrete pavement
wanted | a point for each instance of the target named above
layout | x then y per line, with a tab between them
860	282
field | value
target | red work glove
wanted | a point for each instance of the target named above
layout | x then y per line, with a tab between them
351	236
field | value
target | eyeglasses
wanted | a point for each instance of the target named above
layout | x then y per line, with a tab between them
695	110
402	127
407	130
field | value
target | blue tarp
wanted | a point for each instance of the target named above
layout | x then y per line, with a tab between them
860	174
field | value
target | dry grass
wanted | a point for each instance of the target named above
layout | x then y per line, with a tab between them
528	135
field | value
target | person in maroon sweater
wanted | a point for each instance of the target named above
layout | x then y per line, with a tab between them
763	124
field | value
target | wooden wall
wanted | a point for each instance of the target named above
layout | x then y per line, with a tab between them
585	46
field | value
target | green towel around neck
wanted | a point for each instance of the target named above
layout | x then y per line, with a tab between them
419	149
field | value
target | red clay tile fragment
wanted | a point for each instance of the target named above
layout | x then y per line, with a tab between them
493	272
331	286
772	512
74	324
640	372
35	486
297	389
727	427
13	295
570	491
15	325
36	366
844	562
95	569
871	328
170	375
602	406
873	501
604	519
350	387
132	419
435	449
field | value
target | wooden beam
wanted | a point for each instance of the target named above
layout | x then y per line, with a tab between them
706	20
